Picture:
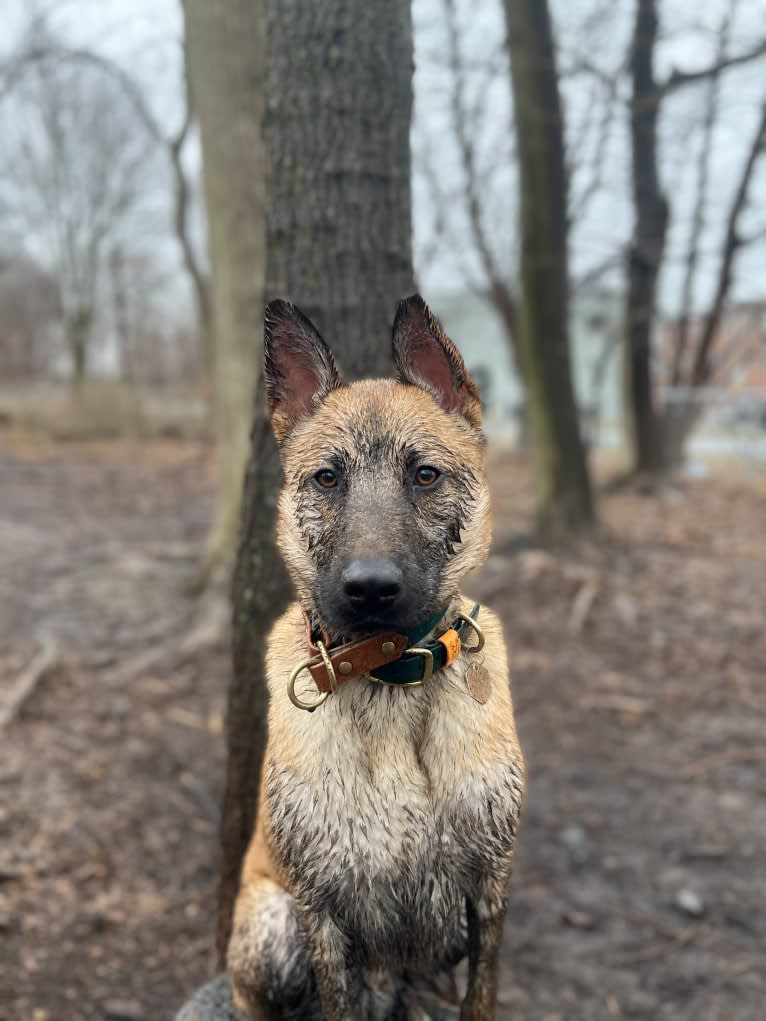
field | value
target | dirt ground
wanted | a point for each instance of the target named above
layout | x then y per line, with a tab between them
638	673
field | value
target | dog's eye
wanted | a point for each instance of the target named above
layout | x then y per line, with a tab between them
426	476
326	478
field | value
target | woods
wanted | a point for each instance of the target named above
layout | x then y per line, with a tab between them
578	193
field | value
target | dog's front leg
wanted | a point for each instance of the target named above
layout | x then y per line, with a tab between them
486	914
335	979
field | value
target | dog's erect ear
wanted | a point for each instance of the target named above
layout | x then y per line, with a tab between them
425	356
300	370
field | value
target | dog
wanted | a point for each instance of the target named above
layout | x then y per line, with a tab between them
393	778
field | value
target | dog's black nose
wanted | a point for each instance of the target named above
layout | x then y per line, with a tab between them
372	585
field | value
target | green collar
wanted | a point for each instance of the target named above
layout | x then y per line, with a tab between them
419	631
419	662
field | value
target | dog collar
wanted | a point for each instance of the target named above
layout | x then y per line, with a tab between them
396	657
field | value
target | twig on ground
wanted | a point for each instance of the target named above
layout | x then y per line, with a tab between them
25	684
725	758
581	607
654	950
618	703
208	632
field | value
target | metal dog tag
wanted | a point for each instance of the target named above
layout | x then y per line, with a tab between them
478	682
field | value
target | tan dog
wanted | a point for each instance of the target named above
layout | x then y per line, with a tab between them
387	812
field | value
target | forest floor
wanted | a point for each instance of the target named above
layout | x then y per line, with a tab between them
639	663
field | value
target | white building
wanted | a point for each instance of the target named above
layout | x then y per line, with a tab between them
596	324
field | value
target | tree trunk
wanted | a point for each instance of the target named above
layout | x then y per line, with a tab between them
647	247
339	99
337	126
563	488
225	53
678	421
120	315
78	329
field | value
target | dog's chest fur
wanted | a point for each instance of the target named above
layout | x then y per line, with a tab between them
392	816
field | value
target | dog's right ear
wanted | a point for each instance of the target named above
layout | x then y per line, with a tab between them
300	370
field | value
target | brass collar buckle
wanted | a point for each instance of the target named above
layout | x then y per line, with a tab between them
428	670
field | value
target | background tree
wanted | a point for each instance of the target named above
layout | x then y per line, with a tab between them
561	474
466	162
224	46
75	178
29	317
338	105
656	434
647	245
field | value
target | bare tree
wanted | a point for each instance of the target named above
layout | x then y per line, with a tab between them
680	416
657	434
75	174
497	280
648	243
472	217
564	500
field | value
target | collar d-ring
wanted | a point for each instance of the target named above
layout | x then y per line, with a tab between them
469	621
323	695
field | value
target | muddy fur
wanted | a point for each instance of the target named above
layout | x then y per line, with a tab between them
387	818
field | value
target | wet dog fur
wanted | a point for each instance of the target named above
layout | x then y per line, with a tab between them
387	818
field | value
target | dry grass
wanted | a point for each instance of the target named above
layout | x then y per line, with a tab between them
103	409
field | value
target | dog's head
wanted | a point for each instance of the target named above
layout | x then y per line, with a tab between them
385	502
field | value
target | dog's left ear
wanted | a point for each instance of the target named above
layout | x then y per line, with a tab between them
425	356
300	369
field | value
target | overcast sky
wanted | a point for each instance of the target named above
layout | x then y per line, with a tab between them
144	35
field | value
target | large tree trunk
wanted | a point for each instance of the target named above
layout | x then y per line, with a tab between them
339	98
647	247
563	487
225	53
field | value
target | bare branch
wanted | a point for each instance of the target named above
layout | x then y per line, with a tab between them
182	204
424	163
754	238
679	79
52	52
732	243
579	205
698	217
600	270
498	289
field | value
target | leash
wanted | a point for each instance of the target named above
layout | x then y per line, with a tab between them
398	659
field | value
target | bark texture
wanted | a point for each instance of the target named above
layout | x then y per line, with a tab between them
563	488
337	126
225	48
339	99
647	246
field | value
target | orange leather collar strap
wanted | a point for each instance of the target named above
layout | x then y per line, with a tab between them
353	659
